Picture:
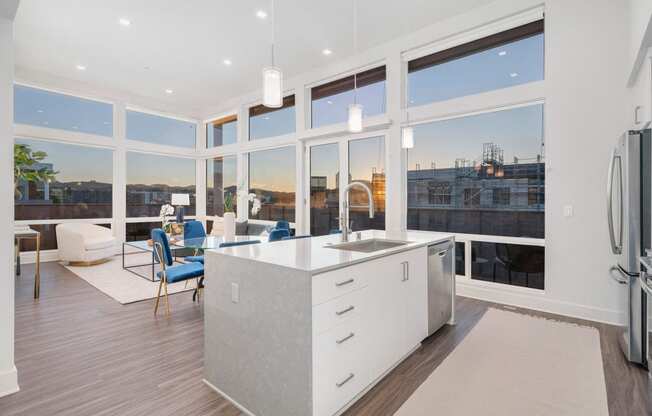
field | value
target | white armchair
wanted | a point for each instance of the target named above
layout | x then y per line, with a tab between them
84	244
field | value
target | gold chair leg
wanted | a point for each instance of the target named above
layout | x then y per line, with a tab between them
167	301
158	297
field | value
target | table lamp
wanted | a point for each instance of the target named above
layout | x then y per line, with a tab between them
180	201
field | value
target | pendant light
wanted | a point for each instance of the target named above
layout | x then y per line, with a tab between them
355	109
272	76
407	141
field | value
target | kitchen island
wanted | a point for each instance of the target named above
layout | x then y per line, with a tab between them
307	326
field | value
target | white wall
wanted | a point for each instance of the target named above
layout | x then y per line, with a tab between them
586	111
8	378
640	32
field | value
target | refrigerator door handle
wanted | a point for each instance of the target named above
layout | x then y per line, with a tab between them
620	279
616	247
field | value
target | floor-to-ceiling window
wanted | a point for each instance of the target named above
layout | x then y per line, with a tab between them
156	129
272	122
367	165
324	188
52	110
221	187
330	101
151	181
58	181
272	177
222	131
503	60
482	175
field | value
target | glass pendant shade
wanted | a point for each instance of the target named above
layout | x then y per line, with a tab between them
272	87
355	118
407	142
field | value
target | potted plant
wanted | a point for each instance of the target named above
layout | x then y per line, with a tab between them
166	211
28	168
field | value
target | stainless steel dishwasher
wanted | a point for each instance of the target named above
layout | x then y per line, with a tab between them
440	284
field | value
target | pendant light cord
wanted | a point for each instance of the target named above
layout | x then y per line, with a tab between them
273	30
355	49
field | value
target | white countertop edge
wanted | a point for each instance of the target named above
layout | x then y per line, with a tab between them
272	253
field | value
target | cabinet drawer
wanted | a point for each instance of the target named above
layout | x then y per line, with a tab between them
337	311
340	371
329	285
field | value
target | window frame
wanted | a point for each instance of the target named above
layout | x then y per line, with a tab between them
289	101
486	102
308	113
224	119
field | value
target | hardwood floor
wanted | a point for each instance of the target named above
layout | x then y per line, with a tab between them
78	352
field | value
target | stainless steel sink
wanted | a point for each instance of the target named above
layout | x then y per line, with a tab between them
368	246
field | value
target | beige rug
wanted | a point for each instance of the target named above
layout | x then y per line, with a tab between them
125	287
514	364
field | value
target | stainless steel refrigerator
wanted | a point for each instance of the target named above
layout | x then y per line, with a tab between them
629	213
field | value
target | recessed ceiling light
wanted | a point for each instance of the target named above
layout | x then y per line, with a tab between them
261	14
39	111
227	62
502	53
46	123
327	52
75	128
124	22
169	91
266	118
81	67
513	74
329	102
107	123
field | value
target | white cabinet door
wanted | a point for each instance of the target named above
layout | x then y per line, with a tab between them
386	306
415	298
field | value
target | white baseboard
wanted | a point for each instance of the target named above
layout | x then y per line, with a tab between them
9	382
539	302
227	397
29	257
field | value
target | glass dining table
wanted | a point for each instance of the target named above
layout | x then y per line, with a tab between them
200	244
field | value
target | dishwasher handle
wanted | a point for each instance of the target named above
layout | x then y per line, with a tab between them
440	249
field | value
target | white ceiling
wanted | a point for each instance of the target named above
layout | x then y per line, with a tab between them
184	46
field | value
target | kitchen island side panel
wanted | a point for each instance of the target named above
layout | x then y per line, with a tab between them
258	350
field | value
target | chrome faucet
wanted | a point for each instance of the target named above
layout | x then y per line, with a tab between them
344	215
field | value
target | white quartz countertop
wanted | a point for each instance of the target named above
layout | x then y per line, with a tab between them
314	255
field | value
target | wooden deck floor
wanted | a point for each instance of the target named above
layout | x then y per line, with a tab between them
78	352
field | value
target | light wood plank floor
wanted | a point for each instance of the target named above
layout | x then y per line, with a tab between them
78	352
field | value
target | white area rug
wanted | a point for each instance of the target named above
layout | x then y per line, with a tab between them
514	364
123	286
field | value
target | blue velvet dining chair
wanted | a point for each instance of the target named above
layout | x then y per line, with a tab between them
171	273
194	229
277	234
282	225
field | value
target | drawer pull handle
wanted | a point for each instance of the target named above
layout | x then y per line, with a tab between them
346	380
344	283
343	311
346	338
